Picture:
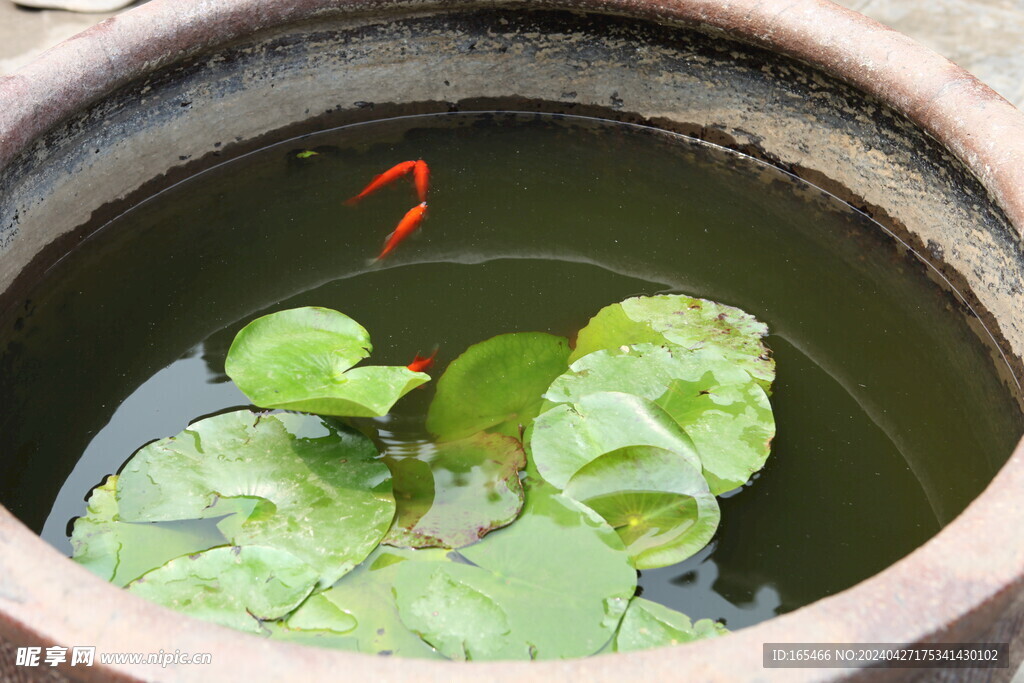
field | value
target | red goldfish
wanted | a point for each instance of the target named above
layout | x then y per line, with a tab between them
422	363
388	176
406	226
421	174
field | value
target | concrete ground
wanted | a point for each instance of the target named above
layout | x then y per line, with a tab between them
983	36
24	33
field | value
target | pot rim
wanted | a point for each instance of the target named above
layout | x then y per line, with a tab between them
913	600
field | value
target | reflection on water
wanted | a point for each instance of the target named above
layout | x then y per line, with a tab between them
162	406
713	591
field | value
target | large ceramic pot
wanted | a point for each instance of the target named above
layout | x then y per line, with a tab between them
924	148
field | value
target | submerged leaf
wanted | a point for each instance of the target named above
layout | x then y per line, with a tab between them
231	586
647	624
361	607
568	436
293	482
120	551
496	385
299	359
685	321
552	585
319	613
657	501
313	637
720	406
457	619
462	491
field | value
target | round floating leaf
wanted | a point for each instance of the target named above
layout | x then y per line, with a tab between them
362	608
231	586
552	585
647	624
732	426
299	359
686	321
642	369
296	345
496	385
568	436
121	552
722	408
293	482
462	491
657	501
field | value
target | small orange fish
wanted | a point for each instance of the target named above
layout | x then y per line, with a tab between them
388	176
422	363
421	174
406	226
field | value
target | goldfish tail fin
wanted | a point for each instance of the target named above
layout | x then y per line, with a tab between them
353	201
386	249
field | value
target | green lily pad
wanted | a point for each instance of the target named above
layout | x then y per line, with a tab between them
642	369
361	608
460	621
232	586
657	501
647	624
552	585
299	359
326	638
685	321
720	406
462	491
568	436
121	552
732	426
496	385
288	481
319	613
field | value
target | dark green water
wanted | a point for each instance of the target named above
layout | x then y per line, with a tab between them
890	413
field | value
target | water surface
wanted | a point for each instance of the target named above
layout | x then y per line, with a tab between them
891	415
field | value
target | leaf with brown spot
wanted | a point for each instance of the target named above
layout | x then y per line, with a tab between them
684	321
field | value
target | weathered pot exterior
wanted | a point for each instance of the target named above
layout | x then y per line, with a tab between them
813	88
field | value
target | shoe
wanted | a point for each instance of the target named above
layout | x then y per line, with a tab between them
85	6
